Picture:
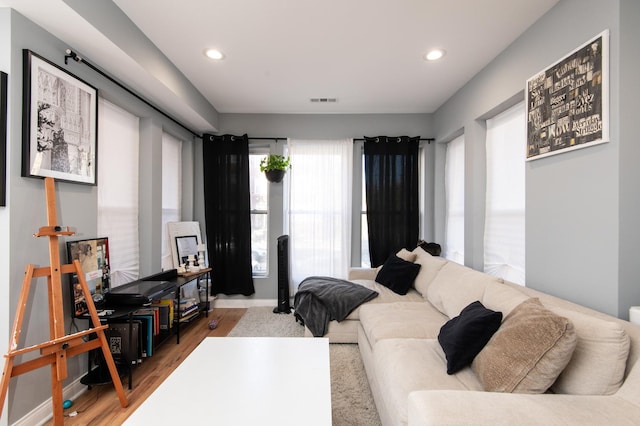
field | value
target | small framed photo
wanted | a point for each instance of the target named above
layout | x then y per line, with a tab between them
187	245
59	137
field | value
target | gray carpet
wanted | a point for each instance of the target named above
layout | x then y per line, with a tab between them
351	399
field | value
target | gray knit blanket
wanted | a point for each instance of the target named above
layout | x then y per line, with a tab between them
323	299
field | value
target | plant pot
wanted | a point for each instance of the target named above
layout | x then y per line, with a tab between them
275	175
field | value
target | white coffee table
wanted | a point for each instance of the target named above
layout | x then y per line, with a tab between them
245	381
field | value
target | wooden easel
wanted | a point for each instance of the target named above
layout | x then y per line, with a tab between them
55	351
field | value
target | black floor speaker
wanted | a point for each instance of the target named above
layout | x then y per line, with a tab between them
284	306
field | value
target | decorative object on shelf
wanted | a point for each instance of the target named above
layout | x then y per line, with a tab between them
60	121
175	232
187	247
568	103
274	167
201	250
192	263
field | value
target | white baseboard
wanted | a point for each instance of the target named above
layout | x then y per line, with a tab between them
43	412
243	303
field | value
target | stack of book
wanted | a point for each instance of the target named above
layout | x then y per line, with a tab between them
188	308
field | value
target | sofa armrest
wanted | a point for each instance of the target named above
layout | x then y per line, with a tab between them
363	273
492	408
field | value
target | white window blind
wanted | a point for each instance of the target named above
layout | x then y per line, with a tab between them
454	194
319	210
259	191
171	192
118	141
504	244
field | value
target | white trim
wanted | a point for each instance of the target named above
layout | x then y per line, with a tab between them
43	412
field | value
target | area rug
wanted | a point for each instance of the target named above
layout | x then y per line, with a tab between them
351	399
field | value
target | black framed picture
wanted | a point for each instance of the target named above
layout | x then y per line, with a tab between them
93	255
187	245
568	102
3	139
59	131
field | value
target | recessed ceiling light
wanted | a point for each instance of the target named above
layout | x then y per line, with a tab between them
214	54
434	55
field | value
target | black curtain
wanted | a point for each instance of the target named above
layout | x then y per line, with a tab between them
391	179
227	212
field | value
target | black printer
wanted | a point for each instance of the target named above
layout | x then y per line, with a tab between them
143	291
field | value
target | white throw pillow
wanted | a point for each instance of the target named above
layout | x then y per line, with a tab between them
429	268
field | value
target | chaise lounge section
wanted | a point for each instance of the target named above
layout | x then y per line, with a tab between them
550	362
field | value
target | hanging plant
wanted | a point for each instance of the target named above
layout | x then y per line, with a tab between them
274	167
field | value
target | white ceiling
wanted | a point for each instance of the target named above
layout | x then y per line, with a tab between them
280	53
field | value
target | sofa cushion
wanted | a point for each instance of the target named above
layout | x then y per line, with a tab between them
598	364
528	352
397	274
385	296
417	320
464	336
503	298
403	366
429	268
405	254
456	286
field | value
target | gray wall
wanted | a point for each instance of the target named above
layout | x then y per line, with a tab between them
76	204
582	206
582	211
318	126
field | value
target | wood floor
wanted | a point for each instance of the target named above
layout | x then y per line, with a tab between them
101	406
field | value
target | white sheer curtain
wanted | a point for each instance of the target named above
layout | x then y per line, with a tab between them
319	208
454	193
504	244
171	191
118	141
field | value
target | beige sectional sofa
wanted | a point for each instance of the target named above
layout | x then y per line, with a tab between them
588	372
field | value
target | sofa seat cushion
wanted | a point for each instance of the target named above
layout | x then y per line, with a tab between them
385	295
598	364
528	352
405	365
417	320
456	286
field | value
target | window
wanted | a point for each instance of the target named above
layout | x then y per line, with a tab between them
319	210
365	259
118	190
171	192
259	193
504	244
454	198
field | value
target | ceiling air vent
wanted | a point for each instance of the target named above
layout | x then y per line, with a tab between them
324	100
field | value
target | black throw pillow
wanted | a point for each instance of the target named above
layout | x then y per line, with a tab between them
464	336
397	274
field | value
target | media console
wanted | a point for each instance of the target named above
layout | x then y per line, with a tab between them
145	313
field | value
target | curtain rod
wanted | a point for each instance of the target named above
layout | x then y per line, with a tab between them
428	140
73	55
